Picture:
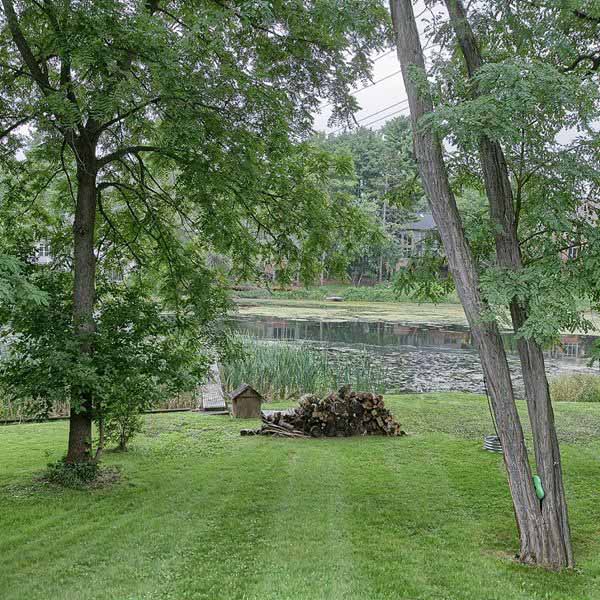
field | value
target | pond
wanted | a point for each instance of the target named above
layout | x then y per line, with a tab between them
416	358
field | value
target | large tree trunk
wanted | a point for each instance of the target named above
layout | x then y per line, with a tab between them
462	266
554	539
84	291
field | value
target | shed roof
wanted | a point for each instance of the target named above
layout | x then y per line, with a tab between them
425	222
243	388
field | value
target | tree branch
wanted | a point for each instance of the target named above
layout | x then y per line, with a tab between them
14	126
126	114
113	227
583	15
593	56
229	7
108	158
24	49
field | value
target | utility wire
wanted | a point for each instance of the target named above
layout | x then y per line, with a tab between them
382	110
404	108
397	112
367	86
375	83
383	55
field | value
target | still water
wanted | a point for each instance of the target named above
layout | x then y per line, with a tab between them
416	358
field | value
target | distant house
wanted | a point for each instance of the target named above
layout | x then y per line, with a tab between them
587	212
43	256
412	236
43	253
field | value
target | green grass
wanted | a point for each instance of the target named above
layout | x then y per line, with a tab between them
382	292
206	514
280	370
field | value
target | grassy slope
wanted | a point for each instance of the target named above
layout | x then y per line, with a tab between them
375	293
204	513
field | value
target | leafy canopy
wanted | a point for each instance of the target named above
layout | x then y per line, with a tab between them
195	111
538	97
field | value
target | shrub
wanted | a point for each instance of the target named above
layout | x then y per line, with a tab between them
581	387
120	427
72	475
144	354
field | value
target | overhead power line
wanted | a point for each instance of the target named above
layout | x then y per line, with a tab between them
383	55
392	114
366	87
365	117
397	112
371	115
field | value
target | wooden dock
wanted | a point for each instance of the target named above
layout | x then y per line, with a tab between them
211	395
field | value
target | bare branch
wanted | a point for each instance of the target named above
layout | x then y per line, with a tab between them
112	226
108	158
66	171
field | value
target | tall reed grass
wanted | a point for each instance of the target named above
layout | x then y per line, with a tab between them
280	370
578	387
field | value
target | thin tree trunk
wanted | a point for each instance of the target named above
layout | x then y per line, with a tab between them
100	421
462	266
84	291
554	540
383	224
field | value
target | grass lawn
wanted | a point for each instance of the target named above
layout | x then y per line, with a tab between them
206	514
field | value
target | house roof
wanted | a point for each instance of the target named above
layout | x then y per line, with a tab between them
243	388
424	222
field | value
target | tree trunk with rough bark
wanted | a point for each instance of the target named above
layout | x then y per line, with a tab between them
84	292
462	266
554	543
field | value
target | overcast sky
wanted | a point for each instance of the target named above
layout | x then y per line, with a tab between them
386	93
376	98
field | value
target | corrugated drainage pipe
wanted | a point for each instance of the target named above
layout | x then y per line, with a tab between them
491	443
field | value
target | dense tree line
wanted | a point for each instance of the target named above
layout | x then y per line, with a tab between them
384	184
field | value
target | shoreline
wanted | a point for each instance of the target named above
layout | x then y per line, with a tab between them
405	313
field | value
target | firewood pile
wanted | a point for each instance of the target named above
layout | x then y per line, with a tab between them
343	413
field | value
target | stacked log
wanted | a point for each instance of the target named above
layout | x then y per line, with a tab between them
343	413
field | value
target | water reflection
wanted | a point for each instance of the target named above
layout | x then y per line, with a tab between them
417	358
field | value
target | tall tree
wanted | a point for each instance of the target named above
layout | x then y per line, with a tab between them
208	95
384	182
487	338
555	540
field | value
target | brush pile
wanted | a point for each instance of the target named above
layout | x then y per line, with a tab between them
343	413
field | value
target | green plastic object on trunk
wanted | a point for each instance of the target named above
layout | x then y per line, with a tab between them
539	490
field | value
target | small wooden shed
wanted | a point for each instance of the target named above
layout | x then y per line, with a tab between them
245	402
